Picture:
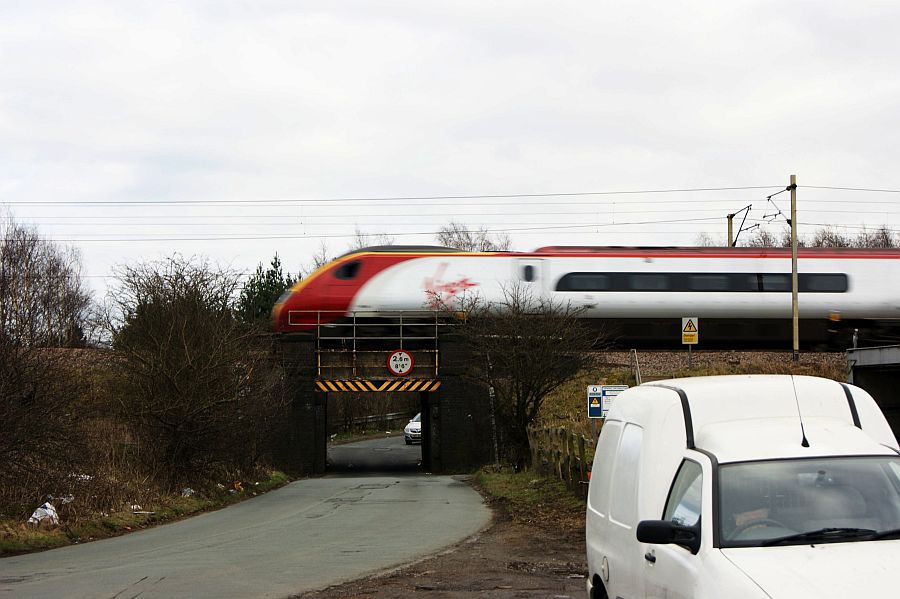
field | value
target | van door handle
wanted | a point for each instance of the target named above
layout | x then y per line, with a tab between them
650	557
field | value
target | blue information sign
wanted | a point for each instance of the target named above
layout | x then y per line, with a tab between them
600	397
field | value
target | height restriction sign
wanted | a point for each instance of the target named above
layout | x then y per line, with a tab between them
690	330
400	363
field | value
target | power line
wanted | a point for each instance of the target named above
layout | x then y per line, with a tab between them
353	218
868	189
390	234
394	198
517	230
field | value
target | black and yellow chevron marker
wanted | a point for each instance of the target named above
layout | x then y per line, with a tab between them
375	386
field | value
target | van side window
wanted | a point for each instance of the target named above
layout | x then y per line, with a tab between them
683	506
624	497
528	273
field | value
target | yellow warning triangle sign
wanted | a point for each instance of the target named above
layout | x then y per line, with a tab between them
690	327
595	402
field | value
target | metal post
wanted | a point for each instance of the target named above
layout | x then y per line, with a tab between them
437	347
795	306
318	343
731	230
690	356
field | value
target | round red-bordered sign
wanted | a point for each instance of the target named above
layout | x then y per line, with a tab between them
400	362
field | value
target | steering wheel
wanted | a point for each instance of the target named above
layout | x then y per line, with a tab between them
755	522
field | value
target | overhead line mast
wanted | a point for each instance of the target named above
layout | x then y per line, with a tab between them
795	307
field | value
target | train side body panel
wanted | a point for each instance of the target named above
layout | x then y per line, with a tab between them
426	282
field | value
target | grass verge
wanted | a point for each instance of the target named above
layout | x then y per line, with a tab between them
344	438
18	537
532	498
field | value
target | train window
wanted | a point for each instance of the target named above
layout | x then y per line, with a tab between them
774	282
584	281
528	273
711	282
347	270
648	282
824	283
702	282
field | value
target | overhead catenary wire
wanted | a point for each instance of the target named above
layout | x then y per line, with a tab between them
312	220
401	198
371	219
864	189
353	235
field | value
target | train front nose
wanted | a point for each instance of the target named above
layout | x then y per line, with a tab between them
280	312
298	308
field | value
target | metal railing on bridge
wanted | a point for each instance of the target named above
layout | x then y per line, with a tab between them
355	345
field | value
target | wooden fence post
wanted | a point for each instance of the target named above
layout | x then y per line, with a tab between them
558	452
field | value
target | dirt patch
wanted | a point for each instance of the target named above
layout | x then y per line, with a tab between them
523	553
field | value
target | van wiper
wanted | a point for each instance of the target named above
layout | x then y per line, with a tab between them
823	535
887	534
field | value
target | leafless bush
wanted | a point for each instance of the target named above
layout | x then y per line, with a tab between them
198	385
39	444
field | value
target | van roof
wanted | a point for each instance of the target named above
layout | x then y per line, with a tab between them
747	417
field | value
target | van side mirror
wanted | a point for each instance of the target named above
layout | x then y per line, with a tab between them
665	532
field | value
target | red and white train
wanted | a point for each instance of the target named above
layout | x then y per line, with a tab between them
742	296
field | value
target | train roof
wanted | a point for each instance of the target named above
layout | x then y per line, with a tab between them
718	251
401	249
631	251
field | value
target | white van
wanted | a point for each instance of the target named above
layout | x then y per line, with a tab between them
744	486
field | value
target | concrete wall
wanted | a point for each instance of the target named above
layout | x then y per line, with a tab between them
304	435
461	433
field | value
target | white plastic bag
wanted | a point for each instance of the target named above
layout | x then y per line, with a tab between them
45	512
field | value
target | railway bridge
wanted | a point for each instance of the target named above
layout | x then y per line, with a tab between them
408	352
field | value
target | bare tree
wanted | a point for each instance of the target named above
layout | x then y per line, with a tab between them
524	347
323	255
197	384
362	240
763	238
705	240
43	301
829	237
882	237
318	259
467	239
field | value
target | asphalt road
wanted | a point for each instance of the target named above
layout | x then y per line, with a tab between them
375	456
307	535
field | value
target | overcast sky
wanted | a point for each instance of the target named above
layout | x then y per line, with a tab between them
138	129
